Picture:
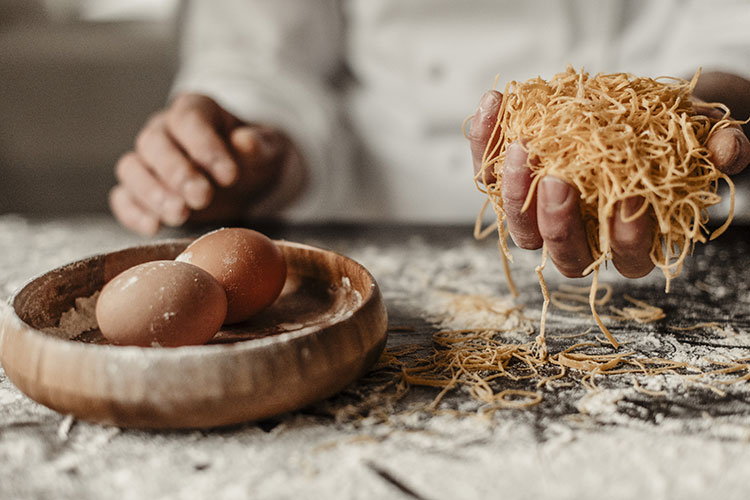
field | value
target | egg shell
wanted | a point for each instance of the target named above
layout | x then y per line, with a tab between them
161	303
248	264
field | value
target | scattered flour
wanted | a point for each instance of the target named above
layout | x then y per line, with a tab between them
453	311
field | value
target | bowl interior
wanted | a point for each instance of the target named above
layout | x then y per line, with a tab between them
317	292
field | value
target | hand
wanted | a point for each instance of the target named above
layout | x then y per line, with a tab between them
195	160
554	218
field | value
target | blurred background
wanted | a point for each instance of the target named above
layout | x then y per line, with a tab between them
78	78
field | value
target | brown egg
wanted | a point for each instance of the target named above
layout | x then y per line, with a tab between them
248	264
161	303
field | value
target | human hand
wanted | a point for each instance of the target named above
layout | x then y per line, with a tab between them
196	160
553	217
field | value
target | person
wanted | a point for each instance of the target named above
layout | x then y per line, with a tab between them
350	110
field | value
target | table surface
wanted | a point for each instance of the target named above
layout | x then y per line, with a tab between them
671	435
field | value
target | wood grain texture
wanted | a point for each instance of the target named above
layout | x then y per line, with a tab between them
326	330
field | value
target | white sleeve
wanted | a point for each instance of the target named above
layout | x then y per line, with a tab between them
711	35
271	62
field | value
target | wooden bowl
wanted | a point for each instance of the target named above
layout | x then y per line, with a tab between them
327	328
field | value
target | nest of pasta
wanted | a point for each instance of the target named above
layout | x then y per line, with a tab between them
613	137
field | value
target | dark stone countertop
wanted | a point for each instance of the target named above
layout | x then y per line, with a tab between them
631	435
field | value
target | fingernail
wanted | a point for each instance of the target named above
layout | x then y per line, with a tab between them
553	193
197	193
631	206
731	153
737	146
488	103
244	140
515	156
725	148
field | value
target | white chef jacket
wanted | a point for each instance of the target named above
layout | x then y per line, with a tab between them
374	92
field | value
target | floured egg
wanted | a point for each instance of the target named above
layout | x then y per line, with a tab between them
248	264
161	303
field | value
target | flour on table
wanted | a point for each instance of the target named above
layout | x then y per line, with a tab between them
471	311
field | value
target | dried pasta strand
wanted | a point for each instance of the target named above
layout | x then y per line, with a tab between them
569	293
697	326
541	341
614	137
484	362
592	303
642	313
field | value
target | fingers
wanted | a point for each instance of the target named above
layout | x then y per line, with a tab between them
480	130
561	226
196	157
195	123
180	156
553	216
145	189
130	214
631	240
176	171
730	150
564	233
514	189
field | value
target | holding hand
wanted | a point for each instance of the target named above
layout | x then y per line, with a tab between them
196	160
554	218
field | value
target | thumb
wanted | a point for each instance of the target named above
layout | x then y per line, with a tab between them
730	150
254	145
257	151
243	140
